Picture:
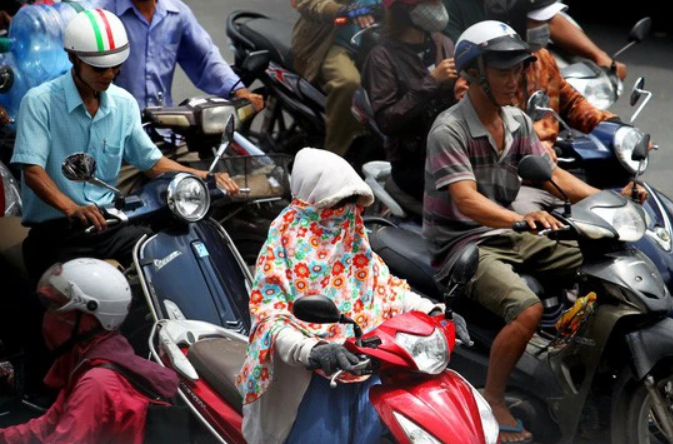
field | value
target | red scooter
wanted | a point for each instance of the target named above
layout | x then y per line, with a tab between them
419	399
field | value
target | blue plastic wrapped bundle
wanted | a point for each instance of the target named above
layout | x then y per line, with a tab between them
13	85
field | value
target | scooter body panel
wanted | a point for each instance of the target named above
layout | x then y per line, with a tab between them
445	406
196	268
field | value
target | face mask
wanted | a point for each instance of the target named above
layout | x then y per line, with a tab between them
538	37
430	17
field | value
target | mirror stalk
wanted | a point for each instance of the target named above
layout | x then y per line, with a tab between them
343	319
567	206
569	133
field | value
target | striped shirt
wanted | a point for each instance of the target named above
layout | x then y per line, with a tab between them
460	148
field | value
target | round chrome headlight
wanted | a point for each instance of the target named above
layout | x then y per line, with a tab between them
625	141
188	197
598	90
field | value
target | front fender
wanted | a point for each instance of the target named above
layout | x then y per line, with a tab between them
650	345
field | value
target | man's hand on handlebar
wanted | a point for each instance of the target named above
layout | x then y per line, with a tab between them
224	181
642	192
544	219
256	99
87	215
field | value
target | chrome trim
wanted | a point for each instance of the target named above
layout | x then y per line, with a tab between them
170	196
241	263
143	283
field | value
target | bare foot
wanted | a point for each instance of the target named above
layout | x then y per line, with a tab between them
505	418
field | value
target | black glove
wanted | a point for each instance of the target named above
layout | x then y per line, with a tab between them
330	358
355	10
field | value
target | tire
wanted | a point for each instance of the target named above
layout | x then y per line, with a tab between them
633	421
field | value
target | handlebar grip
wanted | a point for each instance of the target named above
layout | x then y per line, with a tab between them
110	222
523	227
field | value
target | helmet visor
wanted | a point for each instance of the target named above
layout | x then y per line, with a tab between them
52	288
504	60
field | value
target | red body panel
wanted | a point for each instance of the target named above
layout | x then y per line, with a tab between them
443	405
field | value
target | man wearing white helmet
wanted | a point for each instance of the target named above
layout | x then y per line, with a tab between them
82	111
96	371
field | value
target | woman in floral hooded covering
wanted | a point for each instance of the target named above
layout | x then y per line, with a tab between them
317	245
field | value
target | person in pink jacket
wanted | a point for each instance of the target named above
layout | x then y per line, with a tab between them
87	300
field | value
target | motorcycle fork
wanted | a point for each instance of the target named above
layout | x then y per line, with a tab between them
662	413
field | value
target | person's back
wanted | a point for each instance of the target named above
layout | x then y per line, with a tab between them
409	78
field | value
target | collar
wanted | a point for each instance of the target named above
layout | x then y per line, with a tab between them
475	126
73	100
163	7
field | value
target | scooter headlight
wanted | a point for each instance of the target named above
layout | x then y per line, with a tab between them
628	221
12	195
415	433
597	90
430	353
625	141
188	197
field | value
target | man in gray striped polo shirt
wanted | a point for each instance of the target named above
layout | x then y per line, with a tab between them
474	149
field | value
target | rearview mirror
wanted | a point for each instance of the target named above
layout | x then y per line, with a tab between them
640	30
316	309
640	150
256	61
535	169
465	265
228	134
636	92
537	105
79	167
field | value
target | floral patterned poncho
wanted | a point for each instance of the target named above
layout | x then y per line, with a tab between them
313	251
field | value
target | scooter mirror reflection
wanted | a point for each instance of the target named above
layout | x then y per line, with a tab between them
79	167
228	134
317	309
535	169
537	105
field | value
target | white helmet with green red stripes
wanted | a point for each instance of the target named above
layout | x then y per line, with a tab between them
98	38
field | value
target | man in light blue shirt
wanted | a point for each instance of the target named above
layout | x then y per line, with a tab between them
163	34
82	111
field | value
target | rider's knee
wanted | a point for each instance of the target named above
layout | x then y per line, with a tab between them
529	318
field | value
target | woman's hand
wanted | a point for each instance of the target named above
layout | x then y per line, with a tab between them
445	71
331	358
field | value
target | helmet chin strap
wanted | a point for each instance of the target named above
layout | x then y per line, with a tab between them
96	94
484	83
75	338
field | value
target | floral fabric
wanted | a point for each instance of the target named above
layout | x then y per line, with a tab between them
313	251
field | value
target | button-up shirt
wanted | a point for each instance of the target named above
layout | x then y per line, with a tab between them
173	36
54	123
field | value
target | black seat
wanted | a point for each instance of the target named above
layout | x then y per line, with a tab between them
408	256
218	362
273	35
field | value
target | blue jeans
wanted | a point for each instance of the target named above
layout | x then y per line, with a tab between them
337	415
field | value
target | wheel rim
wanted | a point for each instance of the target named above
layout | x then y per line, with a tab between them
649	429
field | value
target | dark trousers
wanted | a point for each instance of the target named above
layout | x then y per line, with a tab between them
60	241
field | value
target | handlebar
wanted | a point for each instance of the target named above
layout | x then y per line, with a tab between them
109	222
523	227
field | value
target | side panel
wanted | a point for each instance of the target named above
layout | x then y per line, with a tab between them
195	267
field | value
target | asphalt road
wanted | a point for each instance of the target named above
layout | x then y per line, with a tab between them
652	59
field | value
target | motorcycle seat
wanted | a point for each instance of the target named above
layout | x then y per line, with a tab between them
218	361
273	35
405	250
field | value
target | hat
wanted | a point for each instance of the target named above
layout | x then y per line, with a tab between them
546	13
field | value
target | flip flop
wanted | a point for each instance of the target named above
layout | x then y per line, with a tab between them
518	428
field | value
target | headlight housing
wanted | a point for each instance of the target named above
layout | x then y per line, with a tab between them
597	90
628	221
214	119
188	197
430	353
415	433
12	193
625	141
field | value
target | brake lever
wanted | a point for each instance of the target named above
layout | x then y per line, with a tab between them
359	366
